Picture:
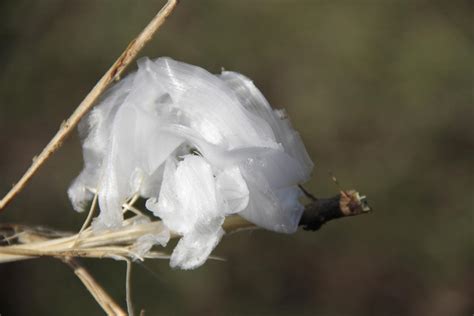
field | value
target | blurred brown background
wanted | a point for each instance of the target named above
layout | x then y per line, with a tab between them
382	93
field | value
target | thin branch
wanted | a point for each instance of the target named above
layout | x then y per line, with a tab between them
112	74
321	211
128	289
307	193
317	213
101	296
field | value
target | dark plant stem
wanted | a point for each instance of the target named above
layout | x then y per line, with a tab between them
321	211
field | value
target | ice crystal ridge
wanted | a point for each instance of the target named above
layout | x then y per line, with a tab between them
198	147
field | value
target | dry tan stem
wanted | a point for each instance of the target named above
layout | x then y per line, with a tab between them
96	252
107	244
128	288
112	74
105	300
88	219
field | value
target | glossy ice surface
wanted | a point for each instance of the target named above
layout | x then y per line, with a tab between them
198	147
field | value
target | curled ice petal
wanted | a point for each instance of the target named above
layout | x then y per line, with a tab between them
144	243
208	106
253	100
193	249
265	208
188	194
233	190
188	204
94	130
78	193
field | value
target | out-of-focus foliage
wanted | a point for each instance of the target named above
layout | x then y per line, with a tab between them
381	92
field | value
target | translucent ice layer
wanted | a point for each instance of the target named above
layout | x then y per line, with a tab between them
198	147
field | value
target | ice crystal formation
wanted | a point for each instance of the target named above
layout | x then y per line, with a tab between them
197	147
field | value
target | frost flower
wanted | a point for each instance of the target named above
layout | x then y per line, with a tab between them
198	147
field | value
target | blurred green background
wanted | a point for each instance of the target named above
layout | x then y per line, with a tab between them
382	93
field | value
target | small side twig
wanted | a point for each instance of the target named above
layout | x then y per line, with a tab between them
316	213
112	74
321	211
100	295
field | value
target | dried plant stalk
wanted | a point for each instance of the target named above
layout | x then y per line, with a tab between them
106	244
100	295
